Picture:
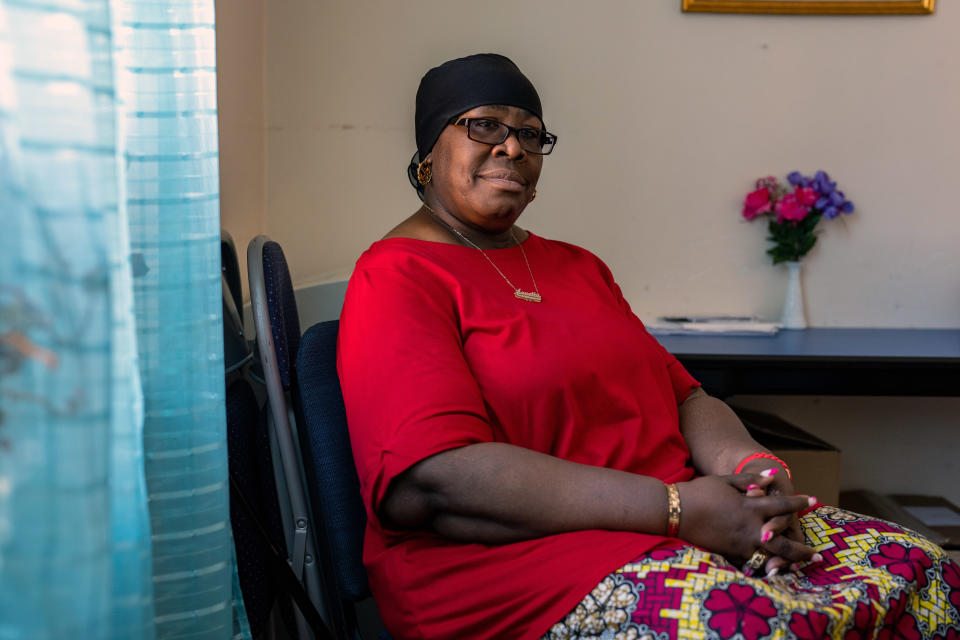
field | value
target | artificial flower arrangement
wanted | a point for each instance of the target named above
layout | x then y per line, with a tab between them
798	210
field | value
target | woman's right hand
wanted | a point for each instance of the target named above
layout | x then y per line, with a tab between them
717	516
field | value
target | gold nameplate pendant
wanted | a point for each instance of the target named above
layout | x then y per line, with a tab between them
529	296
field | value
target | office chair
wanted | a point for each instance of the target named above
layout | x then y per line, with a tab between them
277	327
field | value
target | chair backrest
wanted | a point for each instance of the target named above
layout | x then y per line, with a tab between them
281	304
328	458
277	326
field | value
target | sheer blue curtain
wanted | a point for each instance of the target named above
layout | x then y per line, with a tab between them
114	519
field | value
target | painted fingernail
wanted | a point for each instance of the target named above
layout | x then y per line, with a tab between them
751	487
812	501
816	558
766	536
769	472
773	572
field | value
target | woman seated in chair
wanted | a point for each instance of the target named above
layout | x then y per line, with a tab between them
534	464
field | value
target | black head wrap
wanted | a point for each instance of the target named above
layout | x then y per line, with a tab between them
459	85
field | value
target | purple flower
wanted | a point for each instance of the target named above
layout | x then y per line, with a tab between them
796	178
822	183
834	204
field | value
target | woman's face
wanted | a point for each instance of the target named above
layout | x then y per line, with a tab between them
485	186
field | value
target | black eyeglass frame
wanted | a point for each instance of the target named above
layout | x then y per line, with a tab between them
545	136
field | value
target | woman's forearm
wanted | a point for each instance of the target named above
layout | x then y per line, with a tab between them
717	439
497	493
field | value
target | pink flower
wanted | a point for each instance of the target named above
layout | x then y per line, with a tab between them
739	610
864	622
905	629
756	203
806	197
950	634
789	208
663	554
811	625
910	563
951	575
763	183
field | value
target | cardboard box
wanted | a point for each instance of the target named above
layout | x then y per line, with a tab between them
815	464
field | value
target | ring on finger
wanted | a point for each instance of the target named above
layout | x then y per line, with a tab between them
756	561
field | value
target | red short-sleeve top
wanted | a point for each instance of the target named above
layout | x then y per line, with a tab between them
435	352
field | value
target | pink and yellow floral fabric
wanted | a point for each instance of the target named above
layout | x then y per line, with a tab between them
877	580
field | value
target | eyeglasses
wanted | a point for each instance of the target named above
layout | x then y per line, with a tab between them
494	132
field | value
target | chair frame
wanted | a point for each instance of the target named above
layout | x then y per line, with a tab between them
302	555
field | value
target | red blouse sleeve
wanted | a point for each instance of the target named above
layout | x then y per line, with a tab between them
408	391
683	383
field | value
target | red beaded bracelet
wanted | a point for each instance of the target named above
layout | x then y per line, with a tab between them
769	456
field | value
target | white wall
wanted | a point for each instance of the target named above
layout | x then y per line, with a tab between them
242	121
665	120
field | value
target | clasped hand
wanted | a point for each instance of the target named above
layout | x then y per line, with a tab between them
735	515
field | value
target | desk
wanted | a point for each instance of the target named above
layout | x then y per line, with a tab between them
877	362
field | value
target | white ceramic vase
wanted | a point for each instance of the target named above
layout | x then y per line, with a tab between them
793	311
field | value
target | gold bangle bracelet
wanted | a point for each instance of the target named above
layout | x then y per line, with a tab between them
673	511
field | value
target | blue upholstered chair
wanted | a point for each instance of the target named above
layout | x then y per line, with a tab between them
332	476
277	326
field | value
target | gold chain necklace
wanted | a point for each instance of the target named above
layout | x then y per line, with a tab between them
529	296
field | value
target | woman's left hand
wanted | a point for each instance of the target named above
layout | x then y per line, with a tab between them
778	484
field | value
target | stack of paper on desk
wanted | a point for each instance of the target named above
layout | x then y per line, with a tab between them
701	325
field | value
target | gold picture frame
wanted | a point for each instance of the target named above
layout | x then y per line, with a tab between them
822	7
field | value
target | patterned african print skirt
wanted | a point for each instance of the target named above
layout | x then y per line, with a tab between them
877	580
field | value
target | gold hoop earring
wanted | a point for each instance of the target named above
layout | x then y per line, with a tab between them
534	196
424	172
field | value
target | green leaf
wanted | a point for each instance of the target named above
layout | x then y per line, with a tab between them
791	241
